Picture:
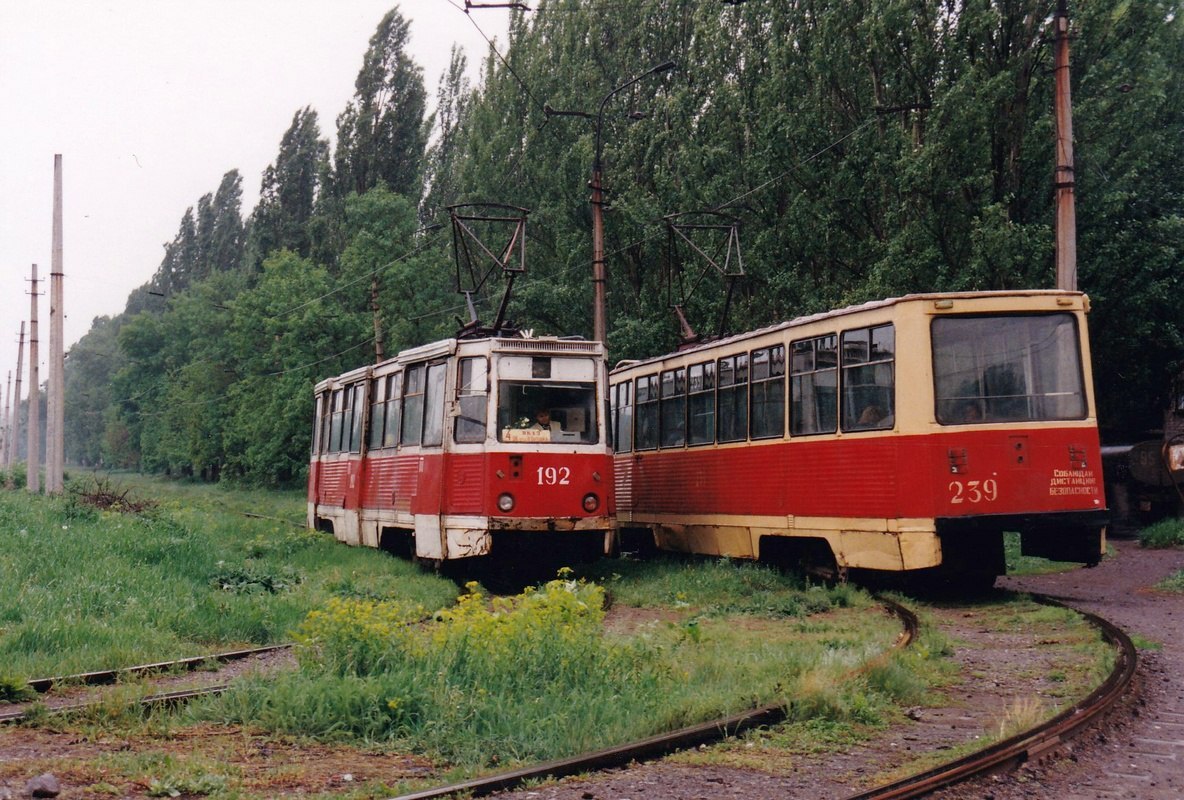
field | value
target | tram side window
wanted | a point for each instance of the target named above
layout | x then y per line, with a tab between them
355	424
768	392
813	385
701	403
472	398
623	416
377	418
337	419
869	378
733	398
673	422
393	407
433	407
318	424
645	435
412	429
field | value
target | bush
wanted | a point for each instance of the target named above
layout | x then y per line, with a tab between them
1165	533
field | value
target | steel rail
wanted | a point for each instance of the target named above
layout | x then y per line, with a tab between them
106	677
1033	743
655	746
162	699
100	677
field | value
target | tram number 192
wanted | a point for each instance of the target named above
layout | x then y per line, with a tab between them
973	491
554	476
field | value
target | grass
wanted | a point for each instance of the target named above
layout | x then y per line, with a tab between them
1163	534
82	589
1020	564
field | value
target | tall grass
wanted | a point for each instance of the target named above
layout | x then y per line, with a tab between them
82	589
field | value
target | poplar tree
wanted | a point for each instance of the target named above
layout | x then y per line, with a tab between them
382	133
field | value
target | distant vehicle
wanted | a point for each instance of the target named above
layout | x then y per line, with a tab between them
1147	478
437	454
904	435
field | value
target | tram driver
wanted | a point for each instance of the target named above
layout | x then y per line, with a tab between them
543	422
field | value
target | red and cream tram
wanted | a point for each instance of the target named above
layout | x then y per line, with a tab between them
903	435
438	453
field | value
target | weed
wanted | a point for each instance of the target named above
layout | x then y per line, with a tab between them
1021	714
1172	583
254	578
14	690
178	785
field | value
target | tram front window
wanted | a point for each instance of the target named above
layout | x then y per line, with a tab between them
1007	369
547	412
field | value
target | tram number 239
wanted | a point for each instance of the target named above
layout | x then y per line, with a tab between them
554	476
973	491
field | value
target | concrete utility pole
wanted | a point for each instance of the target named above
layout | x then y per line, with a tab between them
7	422
54	422
33	463
1066	211
16	409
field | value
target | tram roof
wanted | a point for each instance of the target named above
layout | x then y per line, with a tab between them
848	310
556	345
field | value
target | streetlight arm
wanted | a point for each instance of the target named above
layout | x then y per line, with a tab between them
663	67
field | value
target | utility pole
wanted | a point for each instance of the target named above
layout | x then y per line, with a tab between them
33	462
7	422
379	350
55	439
16	409
1065	185
599	272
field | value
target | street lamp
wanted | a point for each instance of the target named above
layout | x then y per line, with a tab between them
599	302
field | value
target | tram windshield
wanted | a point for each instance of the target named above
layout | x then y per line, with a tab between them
530	411
1007	368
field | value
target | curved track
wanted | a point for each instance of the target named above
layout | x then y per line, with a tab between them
1008	753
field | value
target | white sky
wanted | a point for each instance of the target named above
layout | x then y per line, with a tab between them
150	103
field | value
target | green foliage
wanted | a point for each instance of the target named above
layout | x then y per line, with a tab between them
504	673
723	587
83	590
867	150
1165	533
14	689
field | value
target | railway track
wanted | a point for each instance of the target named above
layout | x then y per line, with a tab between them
1007	754
107	677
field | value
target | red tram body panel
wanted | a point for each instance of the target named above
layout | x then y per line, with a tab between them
905	434
438	454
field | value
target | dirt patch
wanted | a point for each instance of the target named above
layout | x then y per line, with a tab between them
143	766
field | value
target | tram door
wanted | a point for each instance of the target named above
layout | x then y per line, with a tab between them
423	406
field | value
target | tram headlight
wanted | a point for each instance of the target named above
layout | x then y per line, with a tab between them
505	502
591	502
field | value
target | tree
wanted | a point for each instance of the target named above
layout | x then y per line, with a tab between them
289	192
381	134
453	101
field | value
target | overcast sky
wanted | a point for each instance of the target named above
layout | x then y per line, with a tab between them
150	103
